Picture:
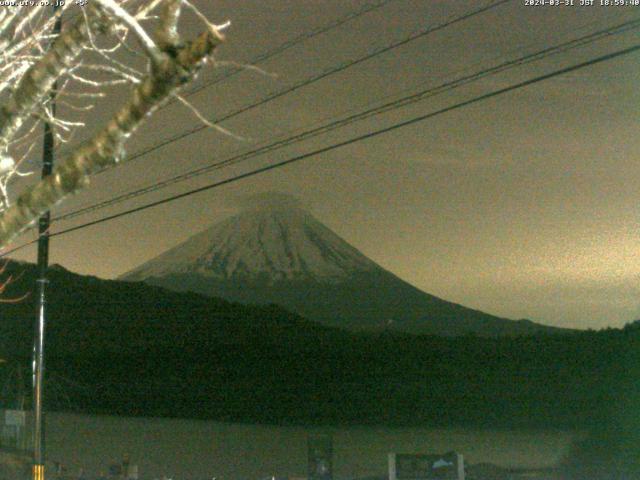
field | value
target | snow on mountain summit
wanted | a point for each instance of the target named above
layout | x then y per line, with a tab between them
275	252
269	242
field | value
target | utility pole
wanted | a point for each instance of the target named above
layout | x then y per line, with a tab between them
41	314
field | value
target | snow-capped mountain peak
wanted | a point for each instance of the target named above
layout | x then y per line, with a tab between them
275	252
267	242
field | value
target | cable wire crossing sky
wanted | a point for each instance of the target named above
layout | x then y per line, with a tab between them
482	151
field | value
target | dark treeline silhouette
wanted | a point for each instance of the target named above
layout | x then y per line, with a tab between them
132	349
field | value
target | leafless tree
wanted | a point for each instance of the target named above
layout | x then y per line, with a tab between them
82	63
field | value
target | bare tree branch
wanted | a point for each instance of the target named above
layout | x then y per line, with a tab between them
38	80
174	63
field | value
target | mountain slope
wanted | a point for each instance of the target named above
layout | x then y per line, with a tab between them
125	348
275	253
268	245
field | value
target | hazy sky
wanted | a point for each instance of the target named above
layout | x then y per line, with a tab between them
524	205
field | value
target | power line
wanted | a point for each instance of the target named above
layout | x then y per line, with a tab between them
356	139
322	75
286	45
396	104
315	78
291	43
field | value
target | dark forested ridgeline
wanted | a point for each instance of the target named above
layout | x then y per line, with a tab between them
133	349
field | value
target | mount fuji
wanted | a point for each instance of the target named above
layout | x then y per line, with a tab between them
277	252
